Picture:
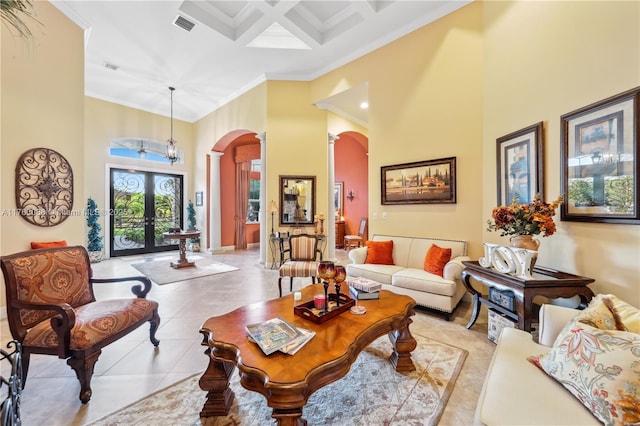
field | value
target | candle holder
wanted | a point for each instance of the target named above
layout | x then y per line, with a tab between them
326	272
340	276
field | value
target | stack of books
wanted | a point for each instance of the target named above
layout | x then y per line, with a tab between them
277	334
364	289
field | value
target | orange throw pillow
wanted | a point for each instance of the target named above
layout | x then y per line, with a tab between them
380	252
436	258
47	244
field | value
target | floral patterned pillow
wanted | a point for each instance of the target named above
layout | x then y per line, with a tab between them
598	364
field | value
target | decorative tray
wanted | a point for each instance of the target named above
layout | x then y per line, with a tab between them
307	310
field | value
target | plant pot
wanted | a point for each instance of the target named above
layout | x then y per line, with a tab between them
194	246
95	256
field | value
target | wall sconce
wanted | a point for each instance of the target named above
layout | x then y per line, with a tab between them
350	196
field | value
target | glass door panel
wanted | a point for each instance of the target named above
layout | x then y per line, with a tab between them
145	204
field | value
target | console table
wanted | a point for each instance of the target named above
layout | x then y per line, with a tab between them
546	282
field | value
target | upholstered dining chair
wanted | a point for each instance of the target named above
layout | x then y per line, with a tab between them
52	309
301	259
353	241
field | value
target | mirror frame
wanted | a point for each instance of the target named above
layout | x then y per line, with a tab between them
284	182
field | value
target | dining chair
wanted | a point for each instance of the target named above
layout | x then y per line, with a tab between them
353	241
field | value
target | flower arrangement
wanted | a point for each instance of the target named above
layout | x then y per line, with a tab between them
525	219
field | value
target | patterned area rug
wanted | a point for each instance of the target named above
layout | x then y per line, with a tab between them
159	269
372	393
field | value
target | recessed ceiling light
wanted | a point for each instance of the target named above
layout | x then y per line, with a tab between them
364	105
278	37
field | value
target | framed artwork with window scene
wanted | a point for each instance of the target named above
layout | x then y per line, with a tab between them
600	146
520	165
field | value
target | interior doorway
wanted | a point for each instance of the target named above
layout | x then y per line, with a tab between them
145	205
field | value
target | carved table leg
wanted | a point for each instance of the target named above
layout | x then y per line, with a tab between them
403	344
289	417
215	381
476	298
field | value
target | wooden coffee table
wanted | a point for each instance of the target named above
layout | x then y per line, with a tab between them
288	381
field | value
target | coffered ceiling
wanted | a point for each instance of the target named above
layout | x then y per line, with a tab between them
213	51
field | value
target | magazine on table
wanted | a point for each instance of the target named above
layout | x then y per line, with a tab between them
275	334
365	284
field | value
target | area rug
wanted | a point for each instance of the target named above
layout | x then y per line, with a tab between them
372	393
159	269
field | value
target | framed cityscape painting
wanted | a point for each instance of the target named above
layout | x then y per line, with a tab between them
600	147
422	182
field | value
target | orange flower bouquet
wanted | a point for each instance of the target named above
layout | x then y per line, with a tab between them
525	219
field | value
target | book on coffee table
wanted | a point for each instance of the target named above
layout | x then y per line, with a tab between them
275	334
365	284
363	295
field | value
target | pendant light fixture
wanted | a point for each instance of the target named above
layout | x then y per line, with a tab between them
172	150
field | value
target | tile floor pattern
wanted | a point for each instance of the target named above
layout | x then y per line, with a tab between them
130	368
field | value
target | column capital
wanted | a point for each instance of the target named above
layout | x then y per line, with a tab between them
262	137
332	138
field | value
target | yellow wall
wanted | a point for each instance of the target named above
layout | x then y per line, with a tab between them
542	60
246	112
105	121
425	102
297	139
42	106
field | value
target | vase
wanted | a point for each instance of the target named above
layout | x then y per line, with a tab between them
525	242
95	256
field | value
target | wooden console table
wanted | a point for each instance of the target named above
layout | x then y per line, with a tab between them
546	282
183	237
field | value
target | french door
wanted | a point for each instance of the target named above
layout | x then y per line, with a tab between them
144	205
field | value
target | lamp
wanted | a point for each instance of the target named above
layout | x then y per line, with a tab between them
172	151
350	196
272	208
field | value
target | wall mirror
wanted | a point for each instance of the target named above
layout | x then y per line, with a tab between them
297	200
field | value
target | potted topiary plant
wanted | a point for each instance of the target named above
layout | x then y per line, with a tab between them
94	239
194	243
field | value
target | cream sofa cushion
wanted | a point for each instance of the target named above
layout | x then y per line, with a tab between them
416	279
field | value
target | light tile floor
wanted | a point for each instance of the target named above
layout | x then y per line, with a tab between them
131	368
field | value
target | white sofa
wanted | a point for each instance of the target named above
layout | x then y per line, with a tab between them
516	392
407	275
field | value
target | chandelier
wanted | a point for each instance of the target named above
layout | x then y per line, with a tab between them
172	151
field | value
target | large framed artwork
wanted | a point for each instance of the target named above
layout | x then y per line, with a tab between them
422	182
520	165
600	147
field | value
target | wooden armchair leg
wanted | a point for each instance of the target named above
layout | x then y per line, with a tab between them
83	366
155	323
24	359
280	286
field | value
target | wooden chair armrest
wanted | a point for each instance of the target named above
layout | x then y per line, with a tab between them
62	322
138	290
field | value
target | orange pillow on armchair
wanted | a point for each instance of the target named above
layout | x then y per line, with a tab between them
436	258
380	252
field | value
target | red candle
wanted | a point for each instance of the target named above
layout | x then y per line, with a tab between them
319	301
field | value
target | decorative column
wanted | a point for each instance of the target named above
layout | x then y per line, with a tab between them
264	227
215	218
331	222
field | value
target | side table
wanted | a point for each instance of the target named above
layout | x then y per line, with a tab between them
546	282
182	246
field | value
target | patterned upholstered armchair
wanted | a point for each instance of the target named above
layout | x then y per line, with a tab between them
301	257
52	309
